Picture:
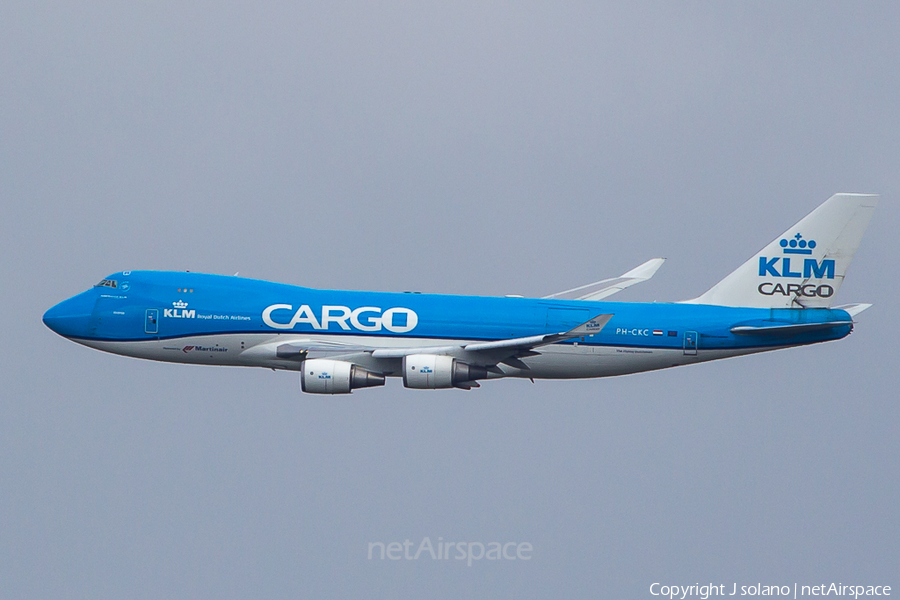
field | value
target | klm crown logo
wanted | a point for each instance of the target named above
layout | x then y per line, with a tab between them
179	312
797	245
809	270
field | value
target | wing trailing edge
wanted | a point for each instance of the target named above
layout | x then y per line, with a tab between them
495	351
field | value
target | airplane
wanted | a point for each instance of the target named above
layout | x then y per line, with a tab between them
344	340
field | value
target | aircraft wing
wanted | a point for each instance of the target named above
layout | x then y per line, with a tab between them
300	349
486	354
527	343
608	287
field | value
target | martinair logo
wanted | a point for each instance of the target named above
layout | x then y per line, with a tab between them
780	266
187	349
179	311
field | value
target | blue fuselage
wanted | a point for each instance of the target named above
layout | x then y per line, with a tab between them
159	314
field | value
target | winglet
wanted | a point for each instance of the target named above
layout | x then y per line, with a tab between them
588	327
608	287
646	270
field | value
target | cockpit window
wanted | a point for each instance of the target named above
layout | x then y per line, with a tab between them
110	283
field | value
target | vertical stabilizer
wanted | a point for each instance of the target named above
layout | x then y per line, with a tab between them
805	266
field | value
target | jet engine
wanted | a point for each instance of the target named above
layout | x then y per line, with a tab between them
324	376
431	372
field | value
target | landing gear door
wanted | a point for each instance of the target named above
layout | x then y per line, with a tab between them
151	321
690	343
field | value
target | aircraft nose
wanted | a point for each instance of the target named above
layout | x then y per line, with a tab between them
72	317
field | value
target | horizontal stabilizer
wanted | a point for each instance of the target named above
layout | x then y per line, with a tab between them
608	287
853	309
786	329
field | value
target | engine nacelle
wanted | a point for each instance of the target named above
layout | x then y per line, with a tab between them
431	372
324	376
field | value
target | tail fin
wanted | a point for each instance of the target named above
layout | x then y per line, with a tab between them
803	267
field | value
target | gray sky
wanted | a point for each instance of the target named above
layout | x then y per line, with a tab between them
458	148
